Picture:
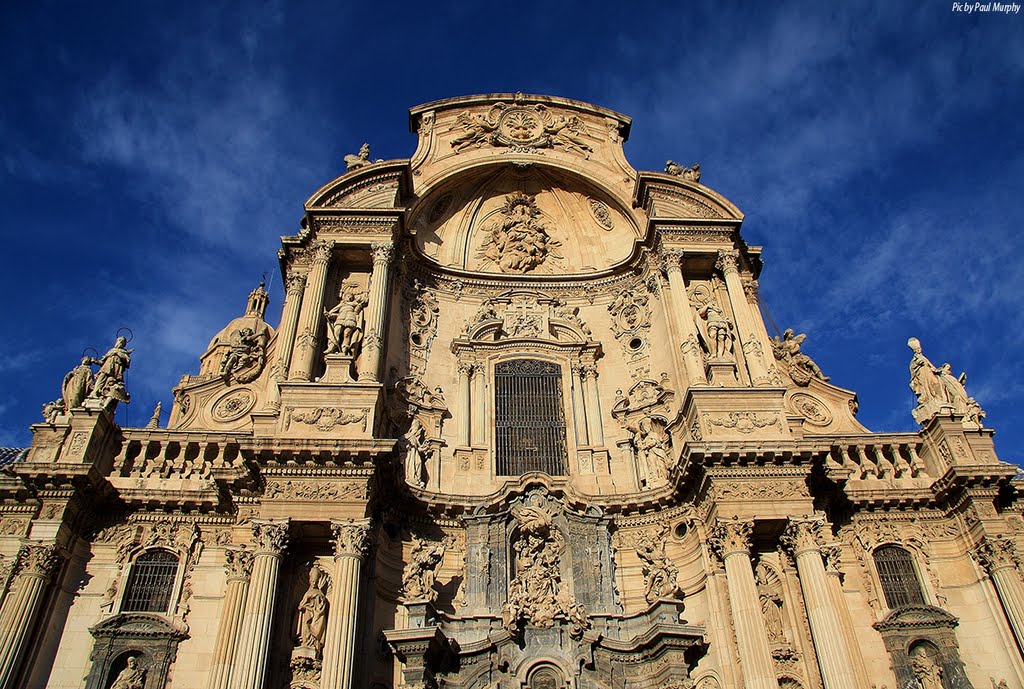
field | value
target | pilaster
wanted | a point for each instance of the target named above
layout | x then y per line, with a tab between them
351	540
373	338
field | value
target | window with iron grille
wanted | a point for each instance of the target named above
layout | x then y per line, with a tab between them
899	579
151	582
530	419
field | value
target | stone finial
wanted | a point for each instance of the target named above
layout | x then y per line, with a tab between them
154	421
690	174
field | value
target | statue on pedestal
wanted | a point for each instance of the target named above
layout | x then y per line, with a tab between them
415	441
651	444
720	337
345	322
312	620
109	384
937	389
78	383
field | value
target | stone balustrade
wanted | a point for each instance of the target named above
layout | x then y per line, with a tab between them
878	458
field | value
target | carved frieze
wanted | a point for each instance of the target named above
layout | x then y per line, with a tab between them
325	418
520	129
315	490
745	422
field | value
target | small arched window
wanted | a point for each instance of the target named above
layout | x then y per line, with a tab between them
151	582
898	576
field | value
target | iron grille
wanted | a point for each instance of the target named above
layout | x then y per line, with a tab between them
151	582
899	580
530	423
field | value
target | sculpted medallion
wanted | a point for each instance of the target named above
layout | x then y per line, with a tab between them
519	242
521	128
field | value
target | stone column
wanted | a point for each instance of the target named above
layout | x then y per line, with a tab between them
35	565
746	326
350	545
465	404
294	285
238	566
1000	558
479	404
579	414
250	666
588	375
832	555
376	309
834	659
311	314
681	314
760	332
731	541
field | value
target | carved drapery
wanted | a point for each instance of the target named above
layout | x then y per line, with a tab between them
351	544
35	565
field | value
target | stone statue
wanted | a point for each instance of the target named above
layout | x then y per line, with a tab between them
110	378
801	367
51	410
659	572
519	241
312	621
690	174
771	609
246	349
78	383
926	670
651	444
478	129
418	576
154	421
362	159
345	322
131	677
720	335
937	389
415	454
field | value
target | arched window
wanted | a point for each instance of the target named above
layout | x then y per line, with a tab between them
899	579
530	419
151	582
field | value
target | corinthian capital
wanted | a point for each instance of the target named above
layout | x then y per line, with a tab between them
322	252
803	534
671	259
728	261
295	283
238	563
270	536
383	252
37	560
351	536
731	536
996	553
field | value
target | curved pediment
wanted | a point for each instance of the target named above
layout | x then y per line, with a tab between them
669	196
378	185
523	221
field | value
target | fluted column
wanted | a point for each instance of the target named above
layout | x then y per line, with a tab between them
376	309
579	414
731	541
238	566
595	428
479	404
465	404
832	555
1000	558
250	666
294	284
681	319
350	545
311	315
746	327
36	564
834	659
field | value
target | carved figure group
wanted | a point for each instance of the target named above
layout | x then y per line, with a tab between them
927	672
477	127
659	572
419	575
345	322
312	619
651	445
247	350
801	367
519	242
719	328
107	386
415	441
691	174
131	677
937	389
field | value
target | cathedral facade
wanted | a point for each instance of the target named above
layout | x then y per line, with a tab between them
520	425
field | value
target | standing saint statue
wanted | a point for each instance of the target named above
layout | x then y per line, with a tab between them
110	378
926	670
131	677
312	620
719	331
78	383
652	452
415	456
924	376
345	322
936	388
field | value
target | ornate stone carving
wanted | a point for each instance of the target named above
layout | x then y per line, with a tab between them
233	406
413	392
37	560
769	592
109	384
927	672
418	575
652	449
719	335
131	677
997	552
245	357
631	315
423	319
690	174
537	594
77	384
361	159
325	418
523	129
811	408
51	410
351	537
659	572
644	396
803	534
414	444
154	420
345	321
800	367
730	536
269	537
237	563
728	261
938	390
311	622
519	241
602	214
745	422
315	490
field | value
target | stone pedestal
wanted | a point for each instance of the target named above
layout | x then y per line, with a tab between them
338	370
722	374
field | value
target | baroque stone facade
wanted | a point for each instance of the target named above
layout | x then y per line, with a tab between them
520	425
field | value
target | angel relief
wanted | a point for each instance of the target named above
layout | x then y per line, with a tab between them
519	241
521	128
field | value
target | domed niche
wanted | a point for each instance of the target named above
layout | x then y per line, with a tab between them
523	222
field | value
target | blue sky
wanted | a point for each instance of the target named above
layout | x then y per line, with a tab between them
152	154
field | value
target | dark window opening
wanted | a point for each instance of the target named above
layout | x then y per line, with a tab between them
151	581
530	427
899	580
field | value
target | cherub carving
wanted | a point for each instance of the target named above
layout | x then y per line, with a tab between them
478	129
690	174
362	159
801	367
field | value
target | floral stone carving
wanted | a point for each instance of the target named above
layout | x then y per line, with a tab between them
519	241
521	128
